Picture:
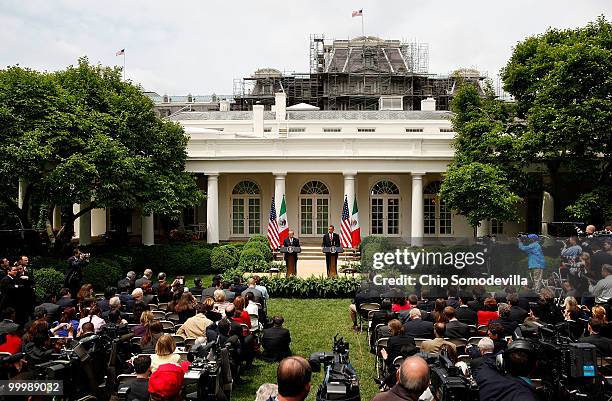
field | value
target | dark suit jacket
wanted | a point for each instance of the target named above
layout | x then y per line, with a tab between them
466	315
296	242
509	325
400	345
419	328
456	329
327	242
518	314
275	342
603	344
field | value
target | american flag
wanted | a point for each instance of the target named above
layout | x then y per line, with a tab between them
357	13
120	52
273	228
345	226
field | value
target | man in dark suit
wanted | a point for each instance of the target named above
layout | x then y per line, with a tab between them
603	344
454	328
517	313
65	300
13	292
464	313
330	239
276	341
417	327
291	241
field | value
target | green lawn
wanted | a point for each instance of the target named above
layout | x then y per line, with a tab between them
313	324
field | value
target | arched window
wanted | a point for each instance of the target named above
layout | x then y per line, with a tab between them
437	216
314	208
384	208
246	209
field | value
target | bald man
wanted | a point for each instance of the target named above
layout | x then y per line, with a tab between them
293	378
412	381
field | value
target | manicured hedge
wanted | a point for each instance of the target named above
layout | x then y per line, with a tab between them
224	257
312	287
102	273
252	259
48	281
262	247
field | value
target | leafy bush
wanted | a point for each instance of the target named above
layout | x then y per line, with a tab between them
251	260
200	260
51	263
372	245
259	238
311	287
224	257
262	247
48	281
101	273
229	274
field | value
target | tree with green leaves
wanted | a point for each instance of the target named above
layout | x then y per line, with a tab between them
83	136
555	136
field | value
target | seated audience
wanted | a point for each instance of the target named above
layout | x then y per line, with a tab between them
196	325
464	313
146	317
416	327
220	302
293	377
412	381
185	307
164	352
67	326
603	344
10	341
454	328
241	315
148	341
517	313
399	343
276	341
496	333
209	306
508	324
433	346
488	313
139	388
94	318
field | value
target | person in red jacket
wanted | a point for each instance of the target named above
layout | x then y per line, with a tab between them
489	313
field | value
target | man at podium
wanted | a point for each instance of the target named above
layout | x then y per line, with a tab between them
330	239
291	241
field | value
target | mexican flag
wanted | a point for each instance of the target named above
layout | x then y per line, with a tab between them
283	227
355	230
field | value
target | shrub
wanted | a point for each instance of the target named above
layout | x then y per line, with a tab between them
251	260
372	247
49	263
101	273
311	287
224	257
259	238
48	281
262	247
200	260
229	274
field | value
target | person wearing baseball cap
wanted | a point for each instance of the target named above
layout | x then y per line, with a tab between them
535	258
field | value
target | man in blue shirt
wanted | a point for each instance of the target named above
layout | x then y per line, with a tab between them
535	258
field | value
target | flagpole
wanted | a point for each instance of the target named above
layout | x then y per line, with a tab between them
362	30
124	65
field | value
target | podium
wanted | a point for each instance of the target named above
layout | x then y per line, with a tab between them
291	253
332	252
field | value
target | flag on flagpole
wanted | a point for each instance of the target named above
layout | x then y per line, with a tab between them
120	53
283	226
345	226
357	13
355	229
273	228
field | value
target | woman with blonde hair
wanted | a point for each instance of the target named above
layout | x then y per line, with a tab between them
146	318
599	312
164	352
220	301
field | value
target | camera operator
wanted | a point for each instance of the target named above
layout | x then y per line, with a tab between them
412	381
74	276
519	360
139	388
293	377
535	258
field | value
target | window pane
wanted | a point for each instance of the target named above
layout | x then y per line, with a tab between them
393	216
238	216
445	219
322	215
429	221
376	216
254	216
305	216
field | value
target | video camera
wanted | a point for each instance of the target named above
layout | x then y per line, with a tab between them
340	381
448	382
208	374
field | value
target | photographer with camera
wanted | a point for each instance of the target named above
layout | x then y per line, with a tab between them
518	361
535	258
74	276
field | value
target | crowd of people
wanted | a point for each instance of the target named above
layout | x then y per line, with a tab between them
158	312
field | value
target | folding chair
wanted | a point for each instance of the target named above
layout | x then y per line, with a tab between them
136	340
473	329
398	361
460	343
379	362
159	315
174	317
179	340
474	340
189	342
168	326
123	385
162	306
483	328
364	310
419	341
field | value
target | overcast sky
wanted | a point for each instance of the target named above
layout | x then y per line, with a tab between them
177	47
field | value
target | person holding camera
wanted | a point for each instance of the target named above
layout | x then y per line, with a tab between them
535	258
74	276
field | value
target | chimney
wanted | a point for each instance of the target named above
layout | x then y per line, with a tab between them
280	103
428	104
224	105
258	119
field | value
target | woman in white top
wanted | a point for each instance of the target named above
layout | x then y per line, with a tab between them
220	302
94	318
164	352
252	309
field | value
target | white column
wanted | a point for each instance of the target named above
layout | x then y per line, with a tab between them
482	229
416	230
84	225
349	188
148	230
279	190
212	209
21	192
548	211
57	218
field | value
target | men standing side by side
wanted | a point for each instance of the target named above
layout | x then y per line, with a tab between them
330	239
